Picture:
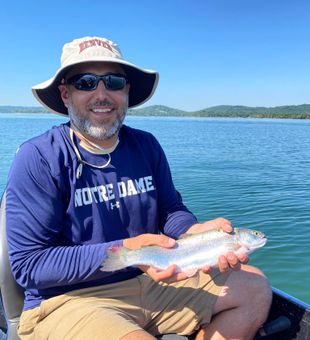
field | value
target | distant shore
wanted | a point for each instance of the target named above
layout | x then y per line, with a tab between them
284	112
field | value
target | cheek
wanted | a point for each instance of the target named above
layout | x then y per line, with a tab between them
80	100
123	99
120	97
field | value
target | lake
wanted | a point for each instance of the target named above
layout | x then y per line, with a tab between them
255	172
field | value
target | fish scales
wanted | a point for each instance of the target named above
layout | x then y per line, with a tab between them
190	254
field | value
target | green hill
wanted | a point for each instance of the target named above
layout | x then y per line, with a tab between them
158	110
22	109
288	111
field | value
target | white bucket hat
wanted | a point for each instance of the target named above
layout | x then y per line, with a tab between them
94	49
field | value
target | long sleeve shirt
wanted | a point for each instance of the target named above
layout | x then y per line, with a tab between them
60	225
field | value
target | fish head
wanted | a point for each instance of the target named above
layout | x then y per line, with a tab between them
250	239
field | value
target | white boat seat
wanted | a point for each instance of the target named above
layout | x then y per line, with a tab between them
12	295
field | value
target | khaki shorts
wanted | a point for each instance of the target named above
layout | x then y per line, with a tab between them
114	310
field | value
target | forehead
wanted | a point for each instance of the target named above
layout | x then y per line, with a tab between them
96	68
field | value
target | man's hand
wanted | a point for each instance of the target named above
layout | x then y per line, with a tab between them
219	224
148	240
225	262
168	275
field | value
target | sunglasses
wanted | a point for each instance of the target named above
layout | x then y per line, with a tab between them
90	81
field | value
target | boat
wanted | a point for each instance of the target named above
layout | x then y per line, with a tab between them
289	318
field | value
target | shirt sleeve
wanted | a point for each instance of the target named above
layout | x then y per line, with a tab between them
35	209
174	217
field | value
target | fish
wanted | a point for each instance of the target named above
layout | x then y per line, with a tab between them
191	252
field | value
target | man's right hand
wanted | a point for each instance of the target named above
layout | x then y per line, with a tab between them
148	240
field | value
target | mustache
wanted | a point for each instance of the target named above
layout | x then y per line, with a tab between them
100	103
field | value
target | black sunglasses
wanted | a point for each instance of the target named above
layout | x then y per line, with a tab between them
90	81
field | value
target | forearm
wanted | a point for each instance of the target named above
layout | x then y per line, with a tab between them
178	223
58	266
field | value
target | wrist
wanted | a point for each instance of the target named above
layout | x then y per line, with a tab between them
194	228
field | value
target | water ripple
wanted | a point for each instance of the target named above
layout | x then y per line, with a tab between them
254	172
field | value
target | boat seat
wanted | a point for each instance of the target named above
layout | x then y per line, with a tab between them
12	295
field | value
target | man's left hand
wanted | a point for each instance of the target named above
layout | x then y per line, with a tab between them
230	260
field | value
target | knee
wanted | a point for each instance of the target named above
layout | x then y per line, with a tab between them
258	291
258	282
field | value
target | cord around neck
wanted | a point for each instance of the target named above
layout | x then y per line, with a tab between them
83	162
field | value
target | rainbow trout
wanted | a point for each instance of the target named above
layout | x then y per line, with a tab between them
191	252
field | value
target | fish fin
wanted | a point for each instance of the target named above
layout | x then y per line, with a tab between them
242	250
195	279
232	247
115	260
114	249
191	272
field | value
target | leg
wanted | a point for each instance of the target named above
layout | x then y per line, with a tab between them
103	312
181	307
241	308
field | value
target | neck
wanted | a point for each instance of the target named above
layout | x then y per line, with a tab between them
94	144
104	144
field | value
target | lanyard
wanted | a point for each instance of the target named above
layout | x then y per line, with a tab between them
82	162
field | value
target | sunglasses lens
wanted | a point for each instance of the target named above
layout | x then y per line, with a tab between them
114	82
89	82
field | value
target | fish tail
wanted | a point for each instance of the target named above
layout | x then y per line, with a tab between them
118	258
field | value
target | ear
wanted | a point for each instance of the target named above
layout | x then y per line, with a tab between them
64	93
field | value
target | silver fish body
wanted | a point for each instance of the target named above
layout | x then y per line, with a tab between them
191	252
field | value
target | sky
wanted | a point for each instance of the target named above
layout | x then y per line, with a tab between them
207	52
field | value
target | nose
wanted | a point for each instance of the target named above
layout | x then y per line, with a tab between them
101	92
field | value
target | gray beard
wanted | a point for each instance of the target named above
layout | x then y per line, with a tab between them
97	132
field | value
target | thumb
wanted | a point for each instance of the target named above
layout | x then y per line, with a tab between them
163	241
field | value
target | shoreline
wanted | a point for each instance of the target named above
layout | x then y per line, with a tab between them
135	114
220	111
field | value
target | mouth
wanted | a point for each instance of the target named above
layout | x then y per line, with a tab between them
262	242
102	112
258	244
99	110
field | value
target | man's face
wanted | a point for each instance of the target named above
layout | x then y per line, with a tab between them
97	114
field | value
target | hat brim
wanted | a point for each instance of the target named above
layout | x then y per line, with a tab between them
142	86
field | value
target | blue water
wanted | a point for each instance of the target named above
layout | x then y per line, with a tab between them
254	172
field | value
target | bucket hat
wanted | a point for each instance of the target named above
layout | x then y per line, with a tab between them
143	82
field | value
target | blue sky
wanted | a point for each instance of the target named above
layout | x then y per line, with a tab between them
211	52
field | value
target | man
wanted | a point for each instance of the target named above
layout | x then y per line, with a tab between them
93	184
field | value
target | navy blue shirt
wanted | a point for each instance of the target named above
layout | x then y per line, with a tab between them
59	227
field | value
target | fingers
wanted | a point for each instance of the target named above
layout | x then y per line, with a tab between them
232	261
157	240
243	258
149	240
223	224
157	275
218	223
206	269
167	275
176	278
223	264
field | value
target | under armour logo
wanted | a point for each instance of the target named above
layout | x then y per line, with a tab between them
116	205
